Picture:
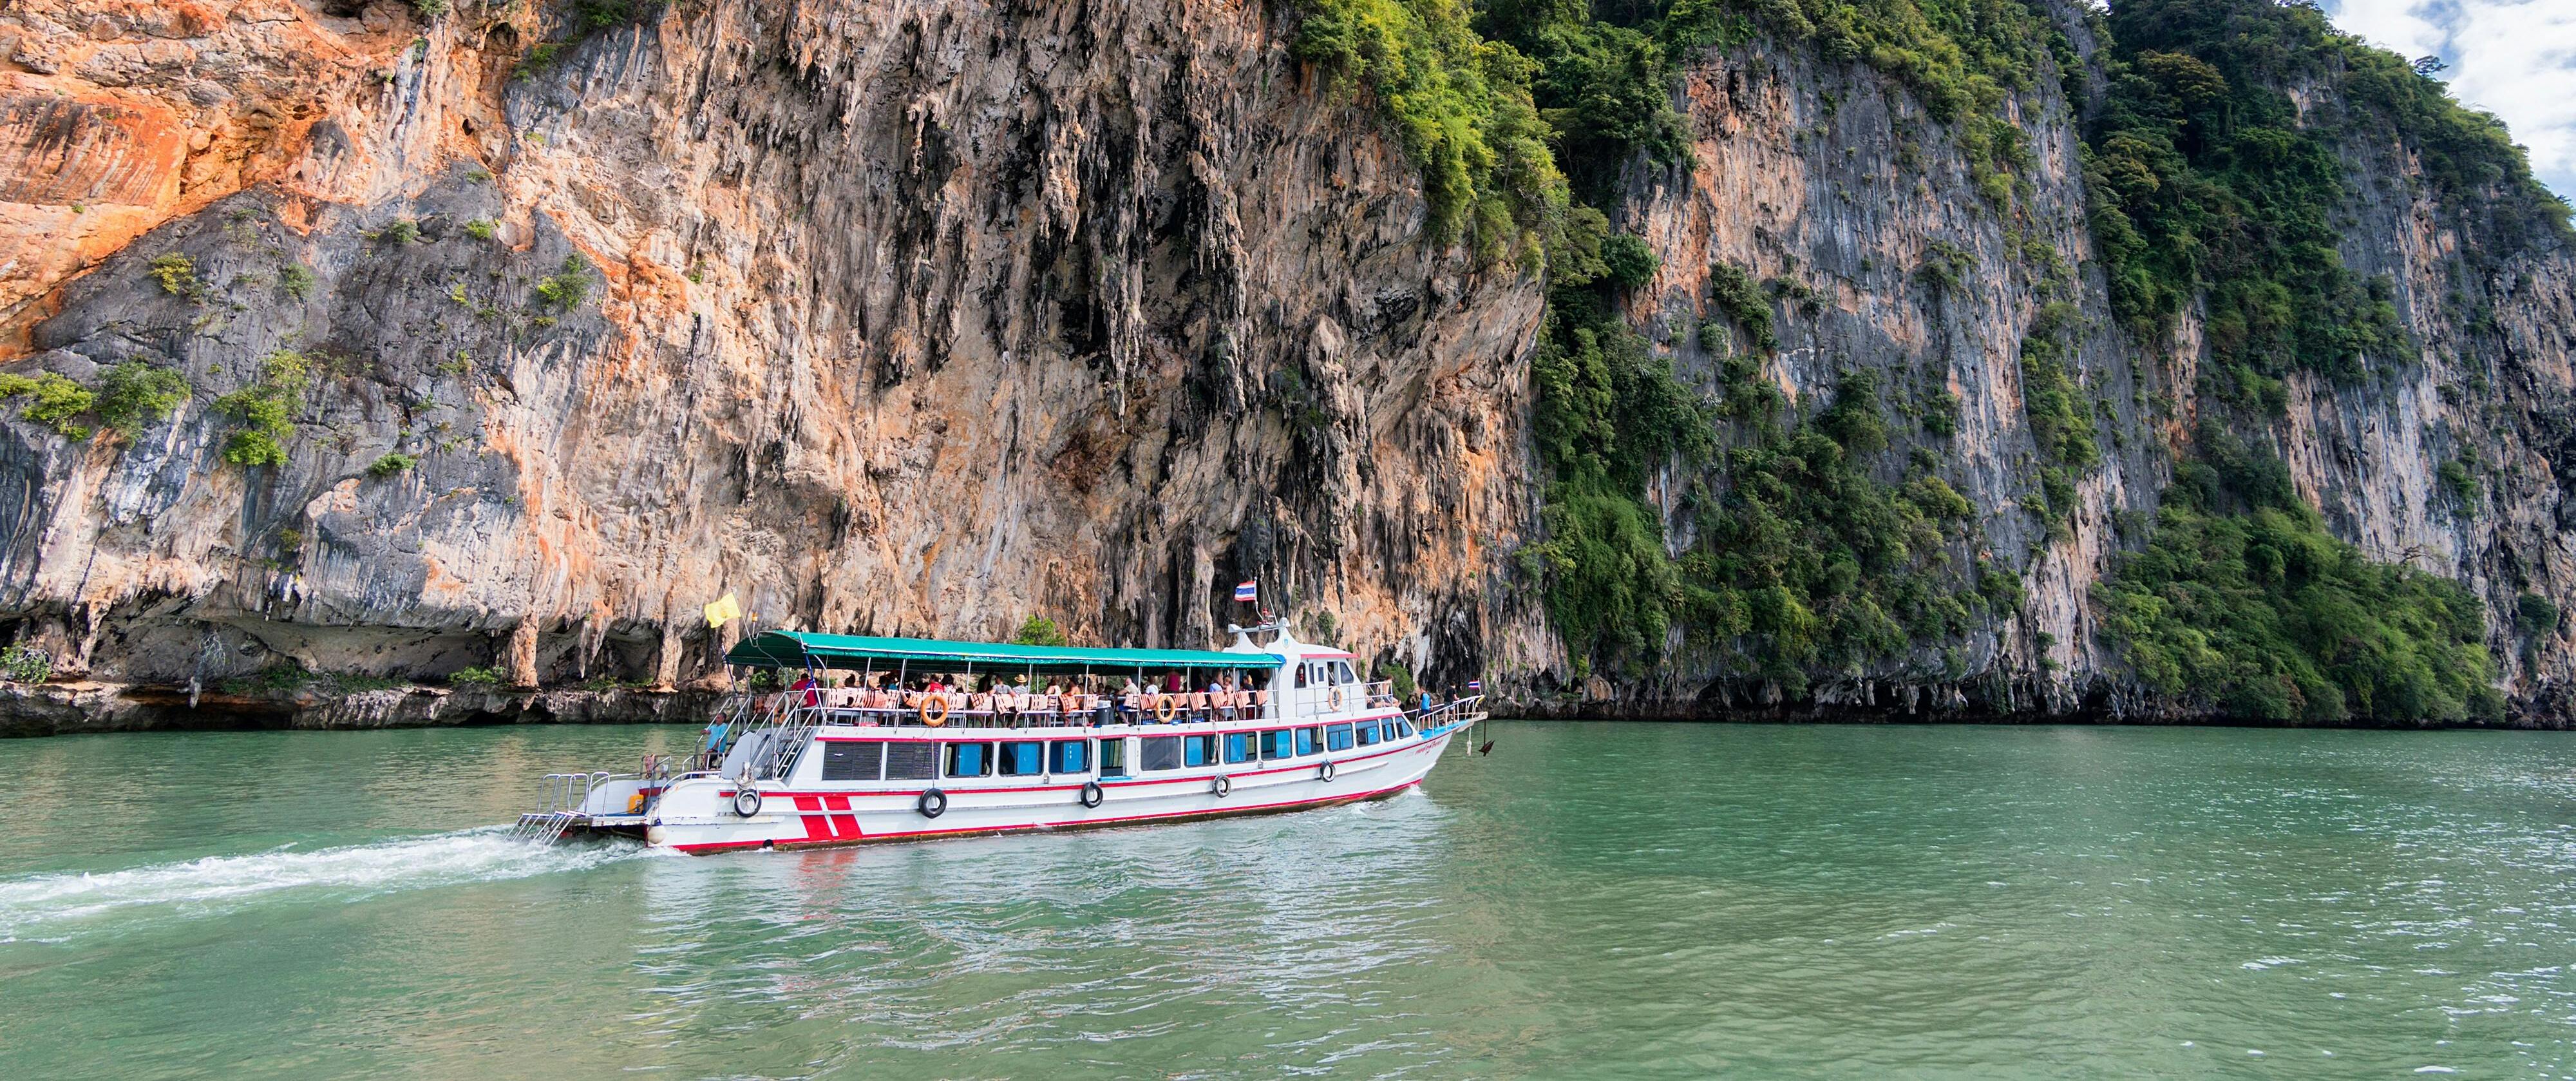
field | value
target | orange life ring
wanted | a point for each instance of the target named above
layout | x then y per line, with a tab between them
1164	707
934	710
1336	700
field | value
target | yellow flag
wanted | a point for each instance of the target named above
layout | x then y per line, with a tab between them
723	609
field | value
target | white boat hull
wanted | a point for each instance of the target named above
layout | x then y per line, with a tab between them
699	815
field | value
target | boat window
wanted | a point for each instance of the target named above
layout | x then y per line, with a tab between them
1066	756
1238	746
1023	758
1301	674
1159	752
1368	734
1113	758
1274	743
1198	750
854	760
911	760
1337	738
1405	727
970	759
1342	673
1308	740
1387	728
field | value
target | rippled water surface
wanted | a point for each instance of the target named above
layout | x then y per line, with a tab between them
1589	901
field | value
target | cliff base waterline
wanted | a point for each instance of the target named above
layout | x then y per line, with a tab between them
63	709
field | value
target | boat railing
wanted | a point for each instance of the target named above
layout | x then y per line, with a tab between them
1380	694
1456	711
1002	710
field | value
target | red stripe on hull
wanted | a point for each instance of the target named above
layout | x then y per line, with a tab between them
844	826
816	828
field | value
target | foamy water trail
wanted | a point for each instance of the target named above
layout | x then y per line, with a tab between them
67	903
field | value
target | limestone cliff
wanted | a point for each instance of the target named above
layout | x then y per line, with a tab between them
922	318
914	318
1866	217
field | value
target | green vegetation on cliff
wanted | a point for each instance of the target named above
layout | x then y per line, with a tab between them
128	397
134	394
2266	616
266	409
53	400
1608	413
2061	419
2210	181
1810	558
2242	603
1460	107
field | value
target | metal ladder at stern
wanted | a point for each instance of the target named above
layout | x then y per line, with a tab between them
563	797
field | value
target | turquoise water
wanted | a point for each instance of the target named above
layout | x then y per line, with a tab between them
1594	901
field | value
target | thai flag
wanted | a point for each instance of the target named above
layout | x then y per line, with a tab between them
1475	684
1246	593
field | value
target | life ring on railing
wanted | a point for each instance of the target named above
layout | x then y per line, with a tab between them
1334	703
1223	786
1165	706
932	804
1324	773
1092	794
746	802
934	711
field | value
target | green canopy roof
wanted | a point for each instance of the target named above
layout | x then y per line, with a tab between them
792	649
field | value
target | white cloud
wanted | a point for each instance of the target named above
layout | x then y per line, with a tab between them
2514	58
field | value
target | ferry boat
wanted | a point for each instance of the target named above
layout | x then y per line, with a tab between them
844	739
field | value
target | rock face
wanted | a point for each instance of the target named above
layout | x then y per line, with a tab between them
922	318
906	318
1825	175
1820	175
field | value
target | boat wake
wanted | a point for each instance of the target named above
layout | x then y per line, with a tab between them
50	906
